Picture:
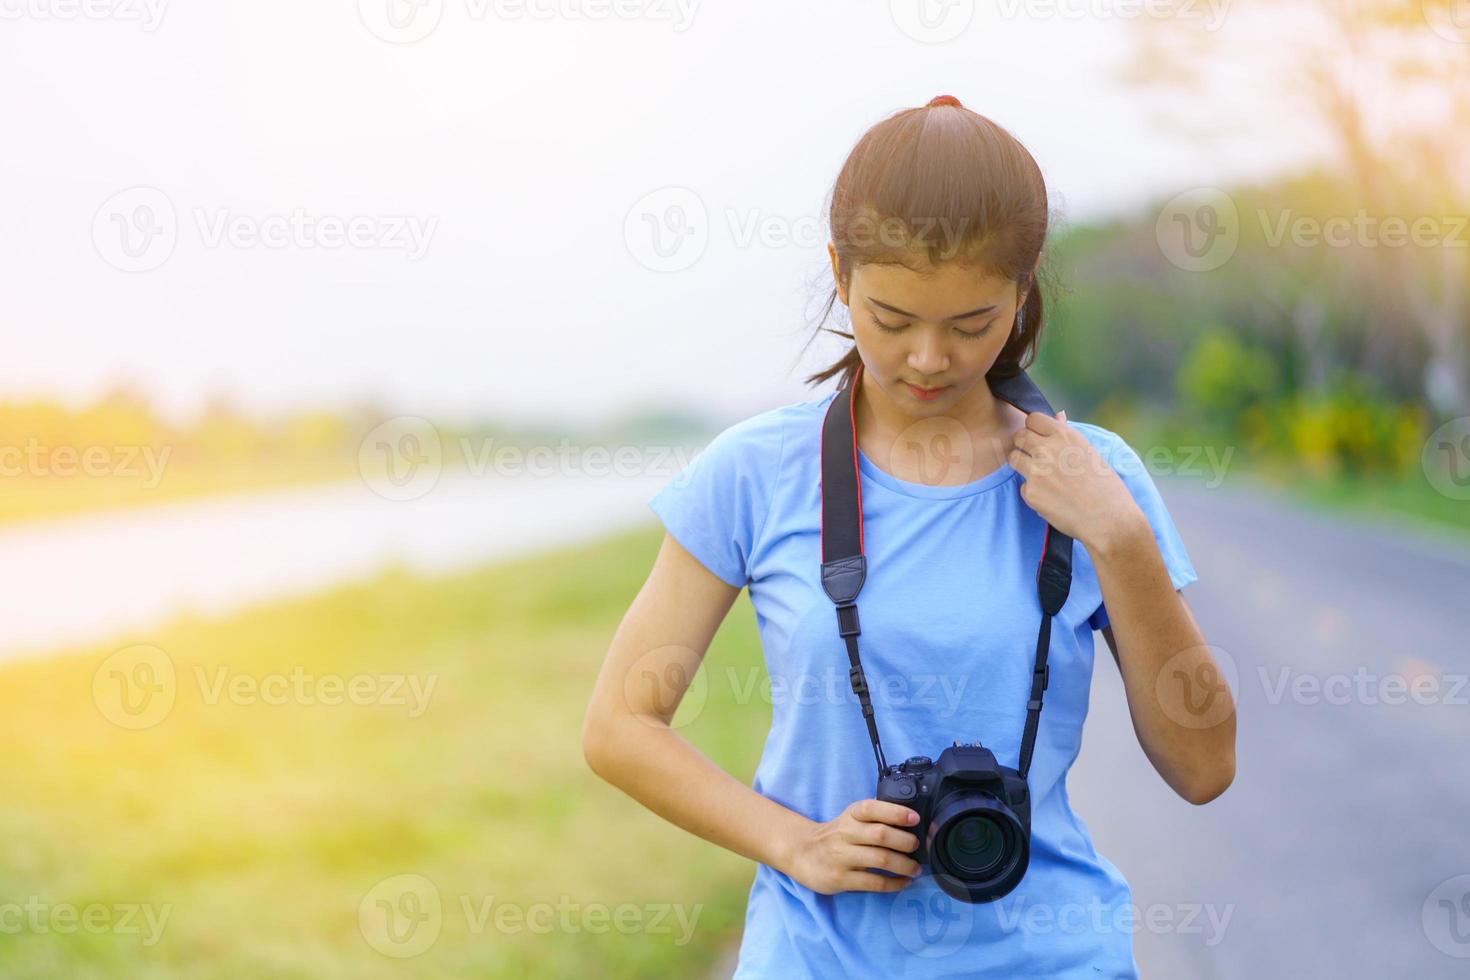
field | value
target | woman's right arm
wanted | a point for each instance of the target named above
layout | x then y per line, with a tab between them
628	741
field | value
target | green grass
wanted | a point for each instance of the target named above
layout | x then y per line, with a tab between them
1409	498
260	828
24	498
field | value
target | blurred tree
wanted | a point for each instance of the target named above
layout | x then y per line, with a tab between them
1388	82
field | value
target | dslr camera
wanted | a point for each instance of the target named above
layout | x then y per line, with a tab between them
974	825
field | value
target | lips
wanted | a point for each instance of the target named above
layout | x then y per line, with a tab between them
925	394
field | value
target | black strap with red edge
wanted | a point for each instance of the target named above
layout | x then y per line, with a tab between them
845	567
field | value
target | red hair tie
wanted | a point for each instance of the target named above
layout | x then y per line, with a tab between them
944	100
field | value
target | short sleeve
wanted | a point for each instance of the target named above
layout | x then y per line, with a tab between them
1129	466
716	506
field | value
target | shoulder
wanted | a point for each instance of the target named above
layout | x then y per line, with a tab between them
758	443
1111	447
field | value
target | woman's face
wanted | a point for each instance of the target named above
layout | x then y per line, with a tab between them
941	328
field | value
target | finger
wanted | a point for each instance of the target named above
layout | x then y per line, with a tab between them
864	856
882	835
879	811
869	881
1019	461
1062	415
1041	423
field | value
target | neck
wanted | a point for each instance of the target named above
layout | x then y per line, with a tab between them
982	414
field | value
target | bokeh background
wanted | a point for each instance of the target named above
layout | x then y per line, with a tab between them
344	344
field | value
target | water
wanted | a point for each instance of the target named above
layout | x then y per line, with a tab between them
104	576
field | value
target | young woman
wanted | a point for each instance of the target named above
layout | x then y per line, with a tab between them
938	219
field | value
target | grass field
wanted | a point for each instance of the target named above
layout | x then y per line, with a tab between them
230	836
24	498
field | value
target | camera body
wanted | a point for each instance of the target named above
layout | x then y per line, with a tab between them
974	825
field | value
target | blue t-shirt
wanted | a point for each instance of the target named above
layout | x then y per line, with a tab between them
949	622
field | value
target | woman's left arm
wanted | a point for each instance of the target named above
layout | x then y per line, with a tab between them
1159	648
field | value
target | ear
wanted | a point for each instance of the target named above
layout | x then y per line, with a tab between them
836	273
1024	287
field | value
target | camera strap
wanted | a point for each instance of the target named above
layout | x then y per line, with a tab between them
845	567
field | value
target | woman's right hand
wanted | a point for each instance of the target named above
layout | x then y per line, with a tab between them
833	857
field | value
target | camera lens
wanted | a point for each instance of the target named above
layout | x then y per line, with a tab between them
978	846
975	845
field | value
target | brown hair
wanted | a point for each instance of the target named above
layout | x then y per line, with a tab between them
943	183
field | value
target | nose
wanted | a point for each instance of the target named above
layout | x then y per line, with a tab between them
928	359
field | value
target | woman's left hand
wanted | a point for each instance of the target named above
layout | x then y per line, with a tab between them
1069	484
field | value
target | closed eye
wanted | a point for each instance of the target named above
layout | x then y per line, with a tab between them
967	334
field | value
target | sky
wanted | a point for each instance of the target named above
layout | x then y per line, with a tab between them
455	207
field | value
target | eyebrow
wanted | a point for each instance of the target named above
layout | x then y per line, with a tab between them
958	316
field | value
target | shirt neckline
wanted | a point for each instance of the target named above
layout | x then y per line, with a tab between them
871	473
995	478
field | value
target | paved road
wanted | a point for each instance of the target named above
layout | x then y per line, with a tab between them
1348	810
